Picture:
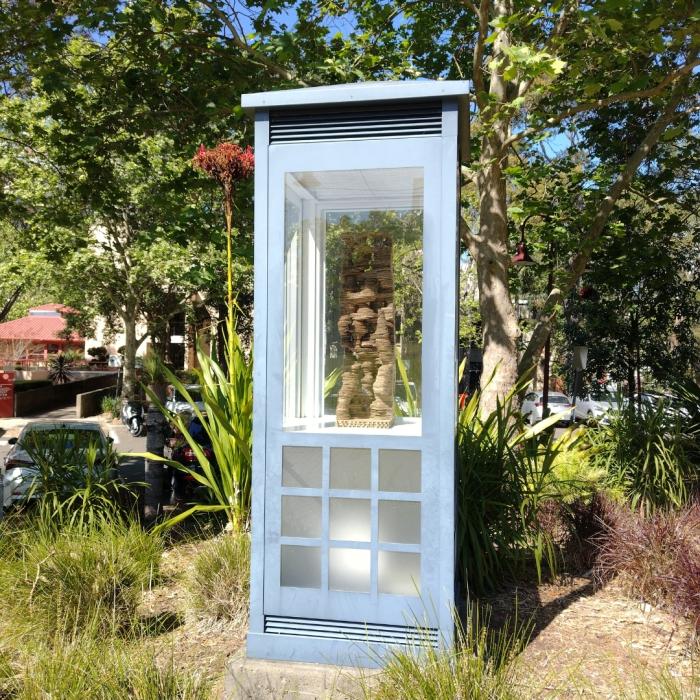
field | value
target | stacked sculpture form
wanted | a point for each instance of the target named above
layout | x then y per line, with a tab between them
366	327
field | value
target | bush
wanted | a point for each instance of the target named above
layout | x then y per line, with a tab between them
82	579
505	471
111	405
219	582
645	454
658	556
83	667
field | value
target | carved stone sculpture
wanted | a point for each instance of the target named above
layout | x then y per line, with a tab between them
366	326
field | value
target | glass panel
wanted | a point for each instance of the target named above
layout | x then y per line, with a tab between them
350	519
399	521
399	470
348	570
399	573
300	566
301	467
301	516
353	297
350	468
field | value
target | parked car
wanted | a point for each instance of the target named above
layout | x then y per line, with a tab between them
596	407
19	470
531	408
176	402
673	407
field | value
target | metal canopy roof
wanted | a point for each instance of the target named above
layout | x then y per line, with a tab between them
358	93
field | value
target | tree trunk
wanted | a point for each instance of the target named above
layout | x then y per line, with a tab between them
499	322
129	387
155	442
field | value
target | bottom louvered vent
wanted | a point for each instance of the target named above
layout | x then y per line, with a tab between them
355	631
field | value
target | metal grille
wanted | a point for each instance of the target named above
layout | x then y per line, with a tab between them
356	122
355	631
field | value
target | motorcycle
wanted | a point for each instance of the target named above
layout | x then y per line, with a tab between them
182	485
132	415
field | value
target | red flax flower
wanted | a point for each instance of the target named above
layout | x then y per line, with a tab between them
226	163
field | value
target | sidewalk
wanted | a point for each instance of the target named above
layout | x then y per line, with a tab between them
11	427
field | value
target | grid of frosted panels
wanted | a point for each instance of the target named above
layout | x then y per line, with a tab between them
351	520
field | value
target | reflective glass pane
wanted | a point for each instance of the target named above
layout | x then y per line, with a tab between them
302	467
399	470
353	296
399	573
301	516
399	521
349	570
350	519
300	566
350	468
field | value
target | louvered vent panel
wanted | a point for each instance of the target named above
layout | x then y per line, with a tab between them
390	121
355	631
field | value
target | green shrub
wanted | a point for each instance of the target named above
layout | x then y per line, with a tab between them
219	581
227	394
88	668
505	471
82	579
645	455
111	405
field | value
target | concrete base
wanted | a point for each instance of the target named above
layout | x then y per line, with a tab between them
255	679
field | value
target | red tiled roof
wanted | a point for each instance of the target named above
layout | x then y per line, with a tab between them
35	328
62	308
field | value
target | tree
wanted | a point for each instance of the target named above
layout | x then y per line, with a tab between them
538	70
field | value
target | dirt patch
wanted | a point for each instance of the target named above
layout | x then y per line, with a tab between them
174	634
590	642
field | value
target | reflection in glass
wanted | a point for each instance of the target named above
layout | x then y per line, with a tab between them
399	521
399	573
353	296
350	468
301	467
300	566
301	516
348	570
399	470
350	519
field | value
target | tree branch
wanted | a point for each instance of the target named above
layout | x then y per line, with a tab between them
579	261
681	72
482	14
238	41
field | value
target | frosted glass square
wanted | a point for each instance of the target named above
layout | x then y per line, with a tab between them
300	566
348	570
399	573
350	519
350	468
399	470
301	467
399	521
301	516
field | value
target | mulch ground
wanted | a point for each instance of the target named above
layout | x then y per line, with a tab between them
586	642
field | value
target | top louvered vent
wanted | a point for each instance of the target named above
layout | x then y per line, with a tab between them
353	122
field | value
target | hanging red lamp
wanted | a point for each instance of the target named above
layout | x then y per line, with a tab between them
522	257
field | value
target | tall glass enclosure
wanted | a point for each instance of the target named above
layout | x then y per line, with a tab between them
355	369
353	297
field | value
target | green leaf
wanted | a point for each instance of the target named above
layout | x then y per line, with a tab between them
614	24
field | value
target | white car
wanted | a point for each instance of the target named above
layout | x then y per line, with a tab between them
557	402
598	407
19	470
176	403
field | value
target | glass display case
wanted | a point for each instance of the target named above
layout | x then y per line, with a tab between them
355	369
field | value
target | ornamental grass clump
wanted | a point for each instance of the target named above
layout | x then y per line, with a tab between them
77	668
481	665
218	583
657	557
84	580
